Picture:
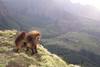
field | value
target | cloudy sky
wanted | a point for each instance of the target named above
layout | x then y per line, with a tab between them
95	3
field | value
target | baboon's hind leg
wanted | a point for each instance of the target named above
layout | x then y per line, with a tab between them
18	47
35	47
33	51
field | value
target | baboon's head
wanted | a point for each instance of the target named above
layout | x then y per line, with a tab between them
35	35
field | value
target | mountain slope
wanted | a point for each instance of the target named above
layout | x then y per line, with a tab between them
61	29
8	58
86	11
76	46
6	20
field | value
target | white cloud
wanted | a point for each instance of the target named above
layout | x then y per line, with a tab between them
95	3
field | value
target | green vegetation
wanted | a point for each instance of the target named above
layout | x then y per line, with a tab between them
75	38
8	58
74	46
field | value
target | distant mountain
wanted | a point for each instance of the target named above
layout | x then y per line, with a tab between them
82	10
66	27
6	20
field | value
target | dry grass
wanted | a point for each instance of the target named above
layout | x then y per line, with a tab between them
9	58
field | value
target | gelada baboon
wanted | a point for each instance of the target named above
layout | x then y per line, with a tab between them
30	40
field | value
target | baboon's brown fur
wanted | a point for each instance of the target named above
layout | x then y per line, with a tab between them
28	40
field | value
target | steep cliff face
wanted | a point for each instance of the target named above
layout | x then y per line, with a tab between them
8	58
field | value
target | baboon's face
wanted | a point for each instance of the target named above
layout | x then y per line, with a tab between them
35	35
38	38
